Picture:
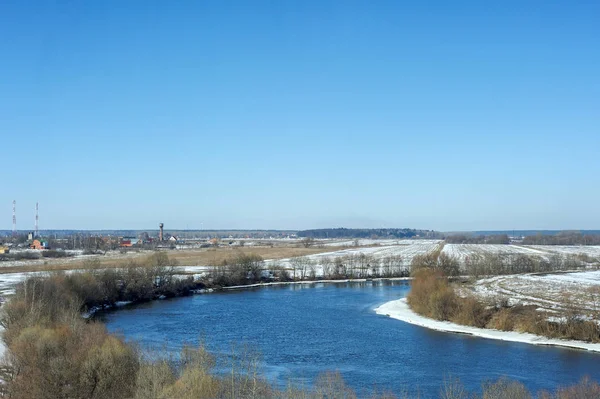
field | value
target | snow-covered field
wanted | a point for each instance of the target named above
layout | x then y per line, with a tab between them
399	310
590	250
464	251
406	249
547	291
8	281
362	242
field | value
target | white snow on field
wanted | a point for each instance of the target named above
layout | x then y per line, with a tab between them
581	278
363	242
547	291
464	251
590	250
400	310
406	249
8	281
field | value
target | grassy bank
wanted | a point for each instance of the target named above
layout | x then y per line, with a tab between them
433	296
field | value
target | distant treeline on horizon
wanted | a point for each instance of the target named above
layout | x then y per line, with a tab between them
532	237
567	237
525	233
368	233
177	232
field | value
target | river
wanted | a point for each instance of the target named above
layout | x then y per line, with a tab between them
302	330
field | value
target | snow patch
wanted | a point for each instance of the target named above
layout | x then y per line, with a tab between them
400	310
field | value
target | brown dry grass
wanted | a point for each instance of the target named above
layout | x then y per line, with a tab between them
192	257
432	296
215	256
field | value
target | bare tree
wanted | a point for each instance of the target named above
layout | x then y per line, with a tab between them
386	266
375	269
308	242
300	266
305	265
448	265
327	265
398	268
363	265
339	267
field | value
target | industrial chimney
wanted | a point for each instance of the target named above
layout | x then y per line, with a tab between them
160	233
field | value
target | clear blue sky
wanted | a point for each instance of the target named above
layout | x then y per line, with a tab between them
298	114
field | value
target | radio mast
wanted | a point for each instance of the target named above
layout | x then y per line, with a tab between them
14	218
37	218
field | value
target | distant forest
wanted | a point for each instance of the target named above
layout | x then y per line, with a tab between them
468	239
563	238
368	233
526	233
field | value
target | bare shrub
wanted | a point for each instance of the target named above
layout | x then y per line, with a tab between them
431	295
71	361
585	389
52	253
308	242
503	320
436	260
505	389
453	389
471	312
327	265
153	379
238	270
332	385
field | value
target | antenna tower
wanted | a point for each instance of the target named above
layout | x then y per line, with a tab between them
37	218
14	218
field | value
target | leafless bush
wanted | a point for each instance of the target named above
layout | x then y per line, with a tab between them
436	260
505	389
53	253
238	270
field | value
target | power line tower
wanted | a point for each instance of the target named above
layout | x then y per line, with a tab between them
14	218
37	218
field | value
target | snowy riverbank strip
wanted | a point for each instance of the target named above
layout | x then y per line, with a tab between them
400	310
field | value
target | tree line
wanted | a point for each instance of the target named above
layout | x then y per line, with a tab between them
501	264
480	239
494	264
563	238
367	233
243	269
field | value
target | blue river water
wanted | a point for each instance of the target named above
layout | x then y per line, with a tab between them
303	330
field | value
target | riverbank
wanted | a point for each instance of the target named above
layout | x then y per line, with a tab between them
400	310
346	280
92	312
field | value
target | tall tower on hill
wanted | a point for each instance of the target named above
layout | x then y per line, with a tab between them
14	231
37	219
